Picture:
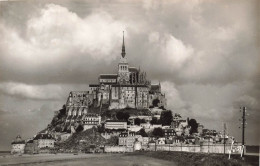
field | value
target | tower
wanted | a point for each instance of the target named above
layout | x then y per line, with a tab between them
123	67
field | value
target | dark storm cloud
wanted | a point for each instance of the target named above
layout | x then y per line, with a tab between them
205	53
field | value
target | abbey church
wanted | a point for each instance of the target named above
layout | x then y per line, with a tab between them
129	87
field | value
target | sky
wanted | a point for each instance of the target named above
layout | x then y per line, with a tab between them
205	54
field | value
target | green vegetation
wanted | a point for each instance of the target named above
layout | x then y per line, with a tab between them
122	116
194	126
156	102
142	133
155	121
158	132
81	140
166	117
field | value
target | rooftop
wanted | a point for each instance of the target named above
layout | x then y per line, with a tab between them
43	136
108	76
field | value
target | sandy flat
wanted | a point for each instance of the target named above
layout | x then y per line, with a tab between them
84	159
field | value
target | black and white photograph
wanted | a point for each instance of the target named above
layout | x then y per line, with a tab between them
130	82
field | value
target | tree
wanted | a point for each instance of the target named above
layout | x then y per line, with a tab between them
113	140
158	132
143	121
153	121
166	117
137	121
156	102
194	126
122	115
142	133
79	128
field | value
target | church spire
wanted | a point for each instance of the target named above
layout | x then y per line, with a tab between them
123	46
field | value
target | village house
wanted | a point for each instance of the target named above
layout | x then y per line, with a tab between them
145	140
200	129
115	124
134	128
128	139
160	141
108	133
169	133
18	145
89	120
43	140
144	118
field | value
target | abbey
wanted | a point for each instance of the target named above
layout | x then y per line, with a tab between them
129	87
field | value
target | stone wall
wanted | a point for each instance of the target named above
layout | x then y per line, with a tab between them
210	148
118	149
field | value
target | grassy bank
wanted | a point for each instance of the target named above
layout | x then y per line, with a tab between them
201	159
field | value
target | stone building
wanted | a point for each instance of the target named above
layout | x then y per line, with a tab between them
18	145
128	139
30	147
43	140
115	124
89	120
128	88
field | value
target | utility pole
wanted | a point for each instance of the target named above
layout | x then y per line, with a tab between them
225	138
243	109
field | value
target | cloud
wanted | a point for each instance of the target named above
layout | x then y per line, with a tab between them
176	52
54	44
43	92
40	92
174	100
94	34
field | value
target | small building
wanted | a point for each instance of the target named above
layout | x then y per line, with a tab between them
178	139
145	125
43	141
108	133
134	128
89	120
127	139
161	141
179	122
115	124
156	126
18	145
200	129
145	141
29	147
137	145
169	132
190	140
143	118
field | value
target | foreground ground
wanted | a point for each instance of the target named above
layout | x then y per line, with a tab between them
202	159
130	159
84	159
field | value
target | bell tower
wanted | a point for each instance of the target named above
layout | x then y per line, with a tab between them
123	67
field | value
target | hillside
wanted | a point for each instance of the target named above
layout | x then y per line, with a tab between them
82	140
58	122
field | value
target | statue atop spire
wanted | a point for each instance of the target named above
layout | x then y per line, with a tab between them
123	47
